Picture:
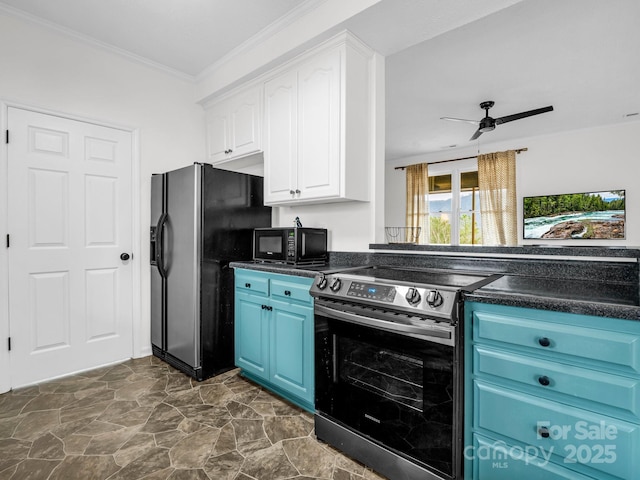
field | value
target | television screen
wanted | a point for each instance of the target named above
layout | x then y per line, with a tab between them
590	215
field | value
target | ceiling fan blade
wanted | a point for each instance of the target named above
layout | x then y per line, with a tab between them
518	116
476	135
451	119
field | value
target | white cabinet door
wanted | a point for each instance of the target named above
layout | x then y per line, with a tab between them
217	135
244	123
280	138
319	128
233	126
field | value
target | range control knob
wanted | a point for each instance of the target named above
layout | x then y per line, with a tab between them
322	283
336	285
434	299
413	296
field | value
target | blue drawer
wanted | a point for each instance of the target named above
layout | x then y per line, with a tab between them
497	460
287	290
251	281
619	349
607	390
577	436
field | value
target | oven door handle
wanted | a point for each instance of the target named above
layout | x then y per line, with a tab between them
426	332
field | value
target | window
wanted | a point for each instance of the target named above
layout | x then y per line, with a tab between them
454	205
469	220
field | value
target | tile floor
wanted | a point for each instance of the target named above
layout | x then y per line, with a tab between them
142	419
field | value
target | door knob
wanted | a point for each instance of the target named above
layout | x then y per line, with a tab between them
124	257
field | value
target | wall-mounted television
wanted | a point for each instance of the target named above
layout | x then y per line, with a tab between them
589	215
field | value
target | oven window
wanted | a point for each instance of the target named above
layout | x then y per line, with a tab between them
394	376
270	244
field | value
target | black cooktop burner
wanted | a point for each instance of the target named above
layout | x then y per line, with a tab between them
450	278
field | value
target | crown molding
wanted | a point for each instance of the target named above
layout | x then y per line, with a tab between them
291	17
270	30
92	42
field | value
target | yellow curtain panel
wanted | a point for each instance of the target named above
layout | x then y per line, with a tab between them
498	204
417	191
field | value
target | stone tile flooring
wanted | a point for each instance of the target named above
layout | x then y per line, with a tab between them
144	419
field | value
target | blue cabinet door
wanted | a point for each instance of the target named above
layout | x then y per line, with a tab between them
252	334
274	333
292	355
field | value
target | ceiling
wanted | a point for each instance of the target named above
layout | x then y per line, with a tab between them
443	56
581	56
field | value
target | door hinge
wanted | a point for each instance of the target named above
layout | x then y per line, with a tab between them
7	137
9	343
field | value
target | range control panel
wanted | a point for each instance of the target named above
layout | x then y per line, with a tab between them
371	291
434	300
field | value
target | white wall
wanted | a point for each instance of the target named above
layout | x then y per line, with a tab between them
595	159
45	69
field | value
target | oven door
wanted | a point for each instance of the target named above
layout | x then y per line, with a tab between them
395	390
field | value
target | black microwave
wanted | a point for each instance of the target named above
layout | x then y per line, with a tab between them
295	246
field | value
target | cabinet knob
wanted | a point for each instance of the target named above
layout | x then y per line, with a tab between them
544	381
297	191
247	285
544	342
292	192
287	293
544	432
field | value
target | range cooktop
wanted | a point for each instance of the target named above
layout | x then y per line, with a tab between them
433	277
410	290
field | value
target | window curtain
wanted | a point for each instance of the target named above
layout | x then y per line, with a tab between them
417	206
498	207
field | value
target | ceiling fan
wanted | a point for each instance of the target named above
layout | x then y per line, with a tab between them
487	123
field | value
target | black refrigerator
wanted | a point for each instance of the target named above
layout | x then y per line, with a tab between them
202	218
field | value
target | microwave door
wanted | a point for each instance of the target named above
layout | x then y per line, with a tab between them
271	246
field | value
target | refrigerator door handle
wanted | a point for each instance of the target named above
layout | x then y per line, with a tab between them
160	245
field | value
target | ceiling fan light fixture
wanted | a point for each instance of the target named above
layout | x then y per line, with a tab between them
487	124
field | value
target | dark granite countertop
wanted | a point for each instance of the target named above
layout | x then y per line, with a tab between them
282	268
588	297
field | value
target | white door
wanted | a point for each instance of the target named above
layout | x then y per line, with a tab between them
69	219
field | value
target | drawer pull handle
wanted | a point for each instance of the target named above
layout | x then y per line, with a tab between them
247	285
544	342
544	432
544	381
287	293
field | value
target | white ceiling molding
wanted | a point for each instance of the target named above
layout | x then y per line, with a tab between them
90	41
267	32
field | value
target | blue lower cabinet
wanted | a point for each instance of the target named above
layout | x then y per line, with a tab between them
274	334
550	395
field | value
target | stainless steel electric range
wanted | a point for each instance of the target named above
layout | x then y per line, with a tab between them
389	367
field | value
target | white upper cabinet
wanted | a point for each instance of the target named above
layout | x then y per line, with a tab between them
316	130
234	126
